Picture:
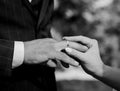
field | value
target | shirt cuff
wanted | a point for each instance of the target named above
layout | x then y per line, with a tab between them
18	56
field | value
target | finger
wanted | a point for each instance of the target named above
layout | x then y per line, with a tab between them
60	45
75	53
82	39
65	58
78	46
63	44
51	63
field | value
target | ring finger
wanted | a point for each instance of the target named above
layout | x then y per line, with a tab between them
77	46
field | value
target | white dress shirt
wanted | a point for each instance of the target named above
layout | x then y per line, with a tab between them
18	56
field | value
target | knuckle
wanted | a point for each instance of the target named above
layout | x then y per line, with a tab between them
94	41
65	57
80	46
84	37
51	40
59	55
80	37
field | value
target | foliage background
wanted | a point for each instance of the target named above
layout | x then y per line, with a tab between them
99	19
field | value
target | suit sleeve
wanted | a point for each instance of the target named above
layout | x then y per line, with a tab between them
6	57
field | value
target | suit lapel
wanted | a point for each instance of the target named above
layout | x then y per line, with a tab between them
42	12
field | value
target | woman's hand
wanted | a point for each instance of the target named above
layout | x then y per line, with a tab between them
90	60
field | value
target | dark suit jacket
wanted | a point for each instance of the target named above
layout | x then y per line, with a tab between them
22	21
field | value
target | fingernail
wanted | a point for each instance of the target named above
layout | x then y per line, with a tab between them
86	48
68	49
76	63
64	38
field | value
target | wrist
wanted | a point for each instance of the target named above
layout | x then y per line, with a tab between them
97	69
26	46
29	52
100	71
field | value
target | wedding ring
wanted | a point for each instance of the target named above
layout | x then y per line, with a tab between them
67	43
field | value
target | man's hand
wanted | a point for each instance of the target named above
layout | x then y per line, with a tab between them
43	50
90	60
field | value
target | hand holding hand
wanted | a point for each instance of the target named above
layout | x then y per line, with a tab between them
43	50
90	60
